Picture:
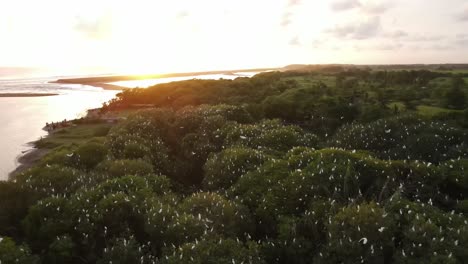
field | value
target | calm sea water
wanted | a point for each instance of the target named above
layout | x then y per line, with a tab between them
22	118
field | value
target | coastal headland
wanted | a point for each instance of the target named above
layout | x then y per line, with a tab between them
105	82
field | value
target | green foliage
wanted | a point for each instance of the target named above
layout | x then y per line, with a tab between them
462	207
359	232
46	220
88	155
140	137
304	175
424	229
333	178
455	173
224	168
14	204
50	180
102	131
61	250
58	156
119	168
74	135
222	251
126	251
371	113
403	137
268	135
11	253
455	98
226	217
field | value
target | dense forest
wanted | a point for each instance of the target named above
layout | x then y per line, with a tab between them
323	165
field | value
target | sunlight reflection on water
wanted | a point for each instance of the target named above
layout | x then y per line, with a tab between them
22	118
151	82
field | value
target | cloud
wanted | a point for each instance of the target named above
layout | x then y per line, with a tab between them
403	35
286	19
462	40
396	34
395	46
295	41
317	43
425	38
96	28
441	47
366	6
292	3
365	29
379	47
376	7
463	15
182	14
343	5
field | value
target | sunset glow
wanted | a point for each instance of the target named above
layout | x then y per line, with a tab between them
165	36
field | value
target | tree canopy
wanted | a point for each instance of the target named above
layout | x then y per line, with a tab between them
327	165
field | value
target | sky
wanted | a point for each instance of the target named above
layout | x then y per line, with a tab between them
142	36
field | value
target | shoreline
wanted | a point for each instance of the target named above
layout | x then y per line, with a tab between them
103	85
28	159
32	155
104	81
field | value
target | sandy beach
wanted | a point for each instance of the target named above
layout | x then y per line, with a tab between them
27	159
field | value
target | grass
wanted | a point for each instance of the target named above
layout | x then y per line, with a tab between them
73	135
429	111
440	82
307	81
400	105
126	112
424	110
463	71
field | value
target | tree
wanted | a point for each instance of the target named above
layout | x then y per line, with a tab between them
268	135
88	155
359	232
224	168
427	234
62	250
456	97
50	180
126	250
119	168
216	251
10	253
14	204
46	220
223	215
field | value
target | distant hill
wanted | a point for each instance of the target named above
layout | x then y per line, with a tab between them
314	67
116	78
